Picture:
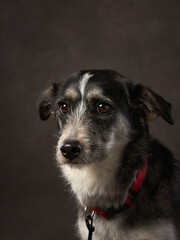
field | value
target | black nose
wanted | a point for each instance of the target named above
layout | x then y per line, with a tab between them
71	149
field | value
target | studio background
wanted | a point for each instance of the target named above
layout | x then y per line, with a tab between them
43	41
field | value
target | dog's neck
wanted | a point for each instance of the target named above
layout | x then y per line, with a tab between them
92	184
96	185
108	213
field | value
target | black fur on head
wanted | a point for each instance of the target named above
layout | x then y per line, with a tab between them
142	100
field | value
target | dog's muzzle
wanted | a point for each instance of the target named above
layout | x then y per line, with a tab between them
71	149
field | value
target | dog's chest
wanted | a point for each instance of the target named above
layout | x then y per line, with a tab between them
116	230
104	229
89	183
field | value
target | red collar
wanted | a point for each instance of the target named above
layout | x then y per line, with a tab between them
108	213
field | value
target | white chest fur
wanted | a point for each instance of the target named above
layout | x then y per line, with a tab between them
114	230
89	181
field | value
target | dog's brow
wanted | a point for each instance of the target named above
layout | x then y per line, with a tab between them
97	93
71	93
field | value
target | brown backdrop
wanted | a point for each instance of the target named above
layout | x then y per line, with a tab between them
44	40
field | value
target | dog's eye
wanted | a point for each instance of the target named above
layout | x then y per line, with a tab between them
103	108
64	107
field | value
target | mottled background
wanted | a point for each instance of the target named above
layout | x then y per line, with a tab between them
44	41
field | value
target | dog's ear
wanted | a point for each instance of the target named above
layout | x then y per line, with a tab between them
152	104
46	101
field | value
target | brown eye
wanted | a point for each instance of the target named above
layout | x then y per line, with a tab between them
64	107
103	108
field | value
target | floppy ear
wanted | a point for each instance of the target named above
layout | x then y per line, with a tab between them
46	101
156	106
152	104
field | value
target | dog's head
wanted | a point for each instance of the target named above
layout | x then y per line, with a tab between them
99	112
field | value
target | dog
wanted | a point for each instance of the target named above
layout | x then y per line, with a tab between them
126	183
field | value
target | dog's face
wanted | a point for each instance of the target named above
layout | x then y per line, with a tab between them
98	113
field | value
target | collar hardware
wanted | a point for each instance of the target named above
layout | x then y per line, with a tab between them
89	223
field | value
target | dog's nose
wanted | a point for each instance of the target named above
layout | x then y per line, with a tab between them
71	149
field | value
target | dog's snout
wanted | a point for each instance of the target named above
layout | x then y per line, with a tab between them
71	149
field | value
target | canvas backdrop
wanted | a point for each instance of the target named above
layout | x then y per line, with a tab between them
43	41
